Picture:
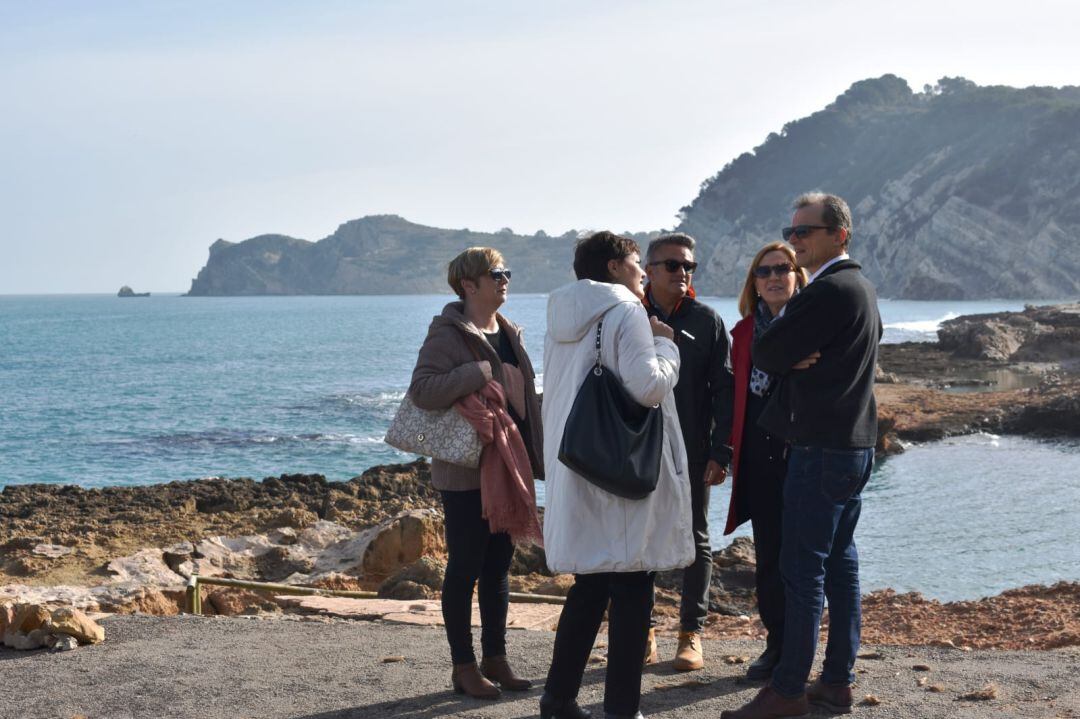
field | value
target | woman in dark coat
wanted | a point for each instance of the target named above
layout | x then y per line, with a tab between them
759	461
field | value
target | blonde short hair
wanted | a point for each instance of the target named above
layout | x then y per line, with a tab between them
470	265
748	297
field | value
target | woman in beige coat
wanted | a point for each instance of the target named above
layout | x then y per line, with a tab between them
468	345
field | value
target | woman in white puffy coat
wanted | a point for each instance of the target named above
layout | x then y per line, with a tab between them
612	545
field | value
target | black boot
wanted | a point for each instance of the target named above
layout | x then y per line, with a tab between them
762	668
552	708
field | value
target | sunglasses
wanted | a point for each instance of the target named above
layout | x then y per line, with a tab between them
801	231
762	272
674	265
499	275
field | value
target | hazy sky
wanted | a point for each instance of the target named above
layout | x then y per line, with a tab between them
134	134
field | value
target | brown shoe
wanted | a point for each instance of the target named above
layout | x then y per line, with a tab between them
688	657
652	655
835	698
467	679
498	670
769	705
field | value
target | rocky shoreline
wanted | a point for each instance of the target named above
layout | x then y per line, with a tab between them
130	549
1005	373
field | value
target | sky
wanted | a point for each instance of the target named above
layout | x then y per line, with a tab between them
135	134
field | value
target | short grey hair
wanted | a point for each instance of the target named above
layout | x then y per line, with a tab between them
673	238
835	212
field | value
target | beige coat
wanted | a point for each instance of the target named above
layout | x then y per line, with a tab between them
456	360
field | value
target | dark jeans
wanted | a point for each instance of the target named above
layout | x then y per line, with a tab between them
818	560
630	594
474	554
694	607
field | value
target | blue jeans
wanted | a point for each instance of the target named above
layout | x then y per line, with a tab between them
818	560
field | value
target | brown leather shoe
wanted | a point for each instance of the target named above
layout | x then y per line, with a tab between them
652	655
498	670
467	679
688	657
834	698
769	705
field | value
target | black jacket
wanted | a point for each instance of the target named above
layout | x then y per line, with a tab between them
704	395
831	404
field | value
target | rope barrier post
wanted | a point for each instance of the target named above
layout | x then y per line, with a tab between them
194	601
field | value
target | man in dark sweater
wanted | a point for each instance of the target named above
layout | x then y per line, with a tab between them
823	345
704	400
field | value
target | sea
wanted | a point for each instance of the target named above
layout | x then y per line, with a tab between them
101	391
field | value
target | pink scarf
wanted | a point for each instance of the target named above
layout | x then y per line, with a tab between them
506	477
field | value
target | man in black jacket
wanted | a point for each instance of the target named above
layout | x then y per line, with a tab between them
824	347
704	399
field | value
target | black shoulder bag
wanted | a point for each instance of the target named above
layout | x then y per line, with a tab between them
610	439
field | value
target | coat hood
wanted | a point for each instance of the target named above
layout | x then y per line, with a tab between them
453	315
573	309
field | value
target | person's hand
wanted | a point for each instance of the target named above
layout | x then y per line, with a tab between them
807	361
715	473
659	329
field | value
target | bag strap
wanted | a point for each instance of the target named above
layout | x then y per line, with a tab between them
597	368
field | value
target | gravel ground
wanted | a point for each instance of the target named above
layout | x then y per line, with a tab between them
312	668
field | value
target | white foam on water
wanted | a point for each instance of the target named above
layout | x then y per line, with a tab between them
927	326
376	399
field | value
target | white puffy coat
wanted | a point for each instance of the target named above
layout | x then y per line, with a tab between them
586	529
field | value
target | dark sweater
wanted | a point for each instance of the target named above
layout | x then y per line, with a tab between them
704	394
831	404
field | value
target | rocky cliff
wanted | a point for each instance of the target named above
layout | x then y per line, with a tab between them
958	192
382	254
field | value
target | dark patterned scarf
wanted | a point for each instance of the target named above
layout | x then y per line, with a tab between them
761	382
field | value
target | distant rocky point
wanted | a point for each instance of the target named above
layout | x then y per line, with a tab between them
126	291
958	192
380	254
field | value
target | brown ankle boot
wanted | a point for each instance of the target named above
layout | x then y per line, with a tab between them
498	670
689	656
467	679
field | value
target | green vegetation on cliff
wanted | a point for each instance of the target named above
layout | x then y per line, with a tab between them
957	192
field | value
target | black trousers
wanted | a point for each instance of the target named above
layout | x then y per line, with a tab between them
475	555
765	502
630	597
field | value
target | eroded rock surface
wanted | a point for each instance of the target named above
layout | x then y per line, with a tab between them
64	534
25	626
1009	372
1038	334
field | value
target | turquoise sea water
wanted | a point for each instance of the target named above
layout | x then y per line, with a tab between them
96	390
